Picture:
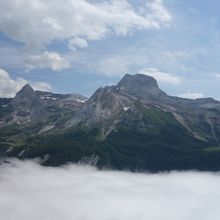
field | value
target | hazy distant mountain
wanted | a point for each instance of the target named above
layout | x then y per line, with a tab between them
133	125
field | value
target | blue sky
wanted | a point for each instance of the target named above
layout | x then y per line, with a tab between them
74	46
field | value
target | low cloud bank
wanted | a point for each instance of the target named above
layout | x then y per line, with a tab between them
76	192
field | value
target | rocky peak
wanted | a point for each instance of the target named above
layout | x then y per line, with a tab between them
139	85
26	98
26	92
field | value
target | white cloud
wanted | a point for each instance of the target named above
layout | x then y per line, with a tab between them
41	86
45	60
191	95
38	22
9	87
29	191
113	66
160	12
162	76
52	23
77	42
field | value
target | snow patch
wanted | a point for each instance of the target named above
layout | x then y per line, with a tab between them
46	128
48	97
80	100
125	108
9	149
21	153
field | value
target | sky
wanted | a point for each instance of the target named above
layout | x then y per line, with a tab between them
78	46
79	192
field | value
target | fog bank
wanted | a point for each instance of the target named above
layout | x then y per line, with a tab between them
73	192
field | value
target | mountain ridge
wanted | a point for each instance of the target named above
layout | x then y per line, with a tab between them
131	125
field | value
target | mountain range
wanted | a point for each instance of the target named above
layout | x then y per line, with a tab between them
133	125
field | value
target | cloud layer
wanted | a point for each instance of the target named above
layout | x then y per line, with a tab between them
46	60
162	76
191	95
29	191
38	22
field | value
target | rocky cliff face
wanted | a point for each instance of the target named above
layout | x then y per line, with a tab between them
112	106
140	86
111	102
27	106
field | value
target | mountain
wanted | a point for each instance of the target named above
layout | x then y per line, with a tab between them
31	106
140	86
132	125
27	105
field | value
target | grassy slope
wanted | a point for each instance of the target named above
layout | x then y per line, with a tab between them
165	145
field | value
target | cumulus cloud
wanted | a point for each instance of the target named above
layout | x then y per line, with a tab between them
45	60
191	95
162	76
41	86
77	42
160	12
38	22
9	87
113	66
29	191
